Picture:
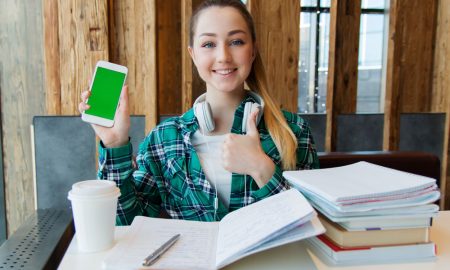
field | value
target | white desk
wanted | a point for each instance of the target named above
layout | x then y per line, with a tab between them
292	256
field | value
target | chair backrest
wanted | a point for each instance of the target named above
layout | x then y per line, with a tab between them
317	122
423	132
359	132
65	153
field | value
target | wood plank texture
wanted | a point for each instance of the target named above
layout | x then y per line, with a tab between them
410	63
169	60
186	62
22	96
441	91
133	44
192	85
392	101
343	64
51	57
83	25
278	42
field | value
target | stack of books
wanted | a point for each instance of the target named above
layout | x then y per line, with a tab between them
372	214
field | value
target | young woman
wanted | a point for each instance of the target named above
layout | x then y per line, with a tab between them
226	152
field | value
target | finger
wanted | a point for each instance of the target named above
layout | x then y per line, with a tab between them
85	95
82	107
251	123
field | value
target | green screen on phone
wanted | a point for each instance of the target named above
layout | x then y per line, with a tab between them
105	93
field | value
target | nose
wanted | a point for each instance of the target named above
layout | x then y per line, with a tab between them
223	54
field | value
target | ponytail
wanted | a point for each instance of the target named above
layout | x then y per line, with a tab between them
278	128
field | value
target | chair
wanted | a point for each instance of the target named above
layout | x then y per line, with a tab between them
318	124
359	132
65	153
423	132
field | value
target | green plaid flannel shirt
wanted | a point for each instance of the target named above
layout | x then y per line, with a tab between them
168	173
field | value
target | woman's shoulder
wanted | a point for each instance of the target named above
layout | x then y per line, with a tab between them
172	127
167	128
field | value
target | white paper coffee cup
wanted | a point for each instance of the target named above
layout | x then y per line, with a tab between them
94	204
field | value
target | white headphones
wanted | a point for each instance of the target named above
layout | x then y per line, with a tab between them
203	113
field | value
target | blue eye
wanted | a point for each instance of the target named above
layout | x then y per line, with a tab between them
208	45
236	42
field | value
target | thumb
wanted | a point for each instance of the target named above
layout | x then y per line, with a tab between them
123	103
251	123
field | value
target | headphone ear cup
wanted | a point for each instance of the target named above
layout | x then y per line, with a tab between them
248	109
204	116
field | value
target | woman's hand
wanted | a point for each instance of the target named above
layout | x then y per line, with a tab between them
117	135
243	154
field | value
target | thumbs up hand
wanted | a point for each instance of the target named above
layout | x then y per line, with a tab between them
243	154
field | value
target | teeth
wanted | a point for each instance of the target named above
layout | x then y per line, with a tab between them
224	71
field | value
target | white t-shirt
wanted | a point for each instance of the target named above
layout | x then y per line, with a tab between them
209	151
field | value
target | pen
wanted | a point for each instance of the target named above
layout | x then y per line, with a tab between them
153	257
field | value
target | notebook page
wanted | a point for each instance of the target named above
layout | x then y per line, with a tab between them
307	230
195	249
358	180
247	227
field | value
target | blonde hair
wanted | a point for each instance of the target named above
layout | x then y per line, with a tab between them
278	128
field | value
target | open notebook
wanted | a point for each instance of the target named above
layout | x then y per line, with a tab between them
280	219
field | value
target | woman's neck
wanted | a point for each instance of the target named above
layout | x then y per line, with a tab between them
223	105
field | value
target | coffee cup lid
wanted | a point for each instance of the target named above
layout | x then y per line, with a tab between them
94	189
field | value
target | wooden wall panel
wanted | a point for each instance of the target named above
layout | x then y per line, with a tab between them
191	84
133	44
278	43
417	41
441	90
22	97
169	60
392	96
51	57
83	40
186	62
412	31
342	79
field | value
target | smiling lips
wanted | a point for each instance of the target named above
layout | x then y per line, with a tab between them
225	71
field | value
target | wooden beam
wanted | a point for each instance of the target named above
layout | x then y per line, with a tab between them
278	43
83	41
412	31
441	92
51	57
186	62
392	101
169	51
342	64
132	41
192	85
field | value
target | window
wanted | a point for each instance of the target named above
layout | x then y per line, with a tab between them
313	59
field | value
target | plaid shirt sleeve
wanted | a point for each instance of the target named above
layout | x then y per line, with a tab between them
139	193
306	158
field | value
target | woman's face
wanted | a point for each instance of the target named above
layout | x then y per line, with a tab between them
222	49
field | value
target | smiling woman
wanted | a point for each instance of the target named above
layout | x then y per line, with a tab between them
226	152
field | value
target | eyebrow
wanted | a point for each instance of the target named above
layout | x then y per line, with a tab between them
233	32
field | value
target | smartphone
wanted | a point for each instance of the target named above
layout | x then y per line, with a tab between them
106	86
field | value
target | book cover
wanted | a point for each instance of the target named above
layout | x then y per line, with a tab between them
376	237
336	255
